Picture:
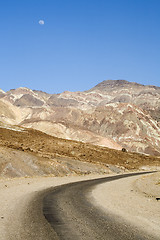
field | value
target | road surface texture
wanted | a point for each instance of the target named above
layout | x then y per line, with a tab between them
69	210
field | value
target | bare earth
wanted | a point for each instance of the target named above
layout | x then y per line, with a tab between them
21	204
134	199
21	214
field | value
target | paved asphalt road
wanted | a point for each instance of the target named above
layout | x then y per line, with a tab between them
70	213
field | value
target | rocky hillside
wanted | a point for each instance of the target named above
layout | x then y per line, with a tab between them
28	152
114	114
146	97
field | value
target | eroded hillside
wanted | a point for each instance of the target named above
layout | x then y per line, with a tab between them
113	114
27	152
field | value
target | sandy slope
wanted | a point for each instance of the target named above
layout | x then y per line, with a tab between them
21	205
134	199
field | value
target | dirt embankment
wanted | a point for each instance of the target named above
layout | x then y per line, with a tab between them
15	163
49	147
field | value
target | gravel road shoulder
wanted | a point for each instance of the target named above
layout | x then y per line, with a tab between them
134	199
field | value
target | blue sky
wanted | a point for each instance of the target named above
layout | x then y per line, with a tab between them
81	43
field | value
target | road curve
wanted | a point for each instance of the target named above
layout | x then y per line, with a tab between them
73	217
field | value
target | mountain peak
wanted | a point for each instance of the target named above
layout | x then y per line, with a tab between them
108	85
117	83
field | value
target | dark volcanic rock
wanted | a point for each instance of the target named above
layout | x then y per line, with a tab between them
61	102
28	101
109	85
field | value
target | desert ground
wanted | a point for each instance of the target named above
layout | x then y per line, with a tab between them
21	214
134	199
33	162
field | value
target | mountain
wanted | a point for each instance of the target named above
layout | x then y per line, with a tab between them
114	113
145	96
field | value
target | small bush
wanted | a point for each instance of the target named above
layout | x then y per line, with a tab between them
124	150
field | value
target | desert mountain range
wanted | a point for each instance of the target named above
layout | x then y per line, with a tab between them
115	113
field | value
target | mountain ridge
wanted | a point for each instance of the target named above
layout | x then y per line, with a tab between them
127	112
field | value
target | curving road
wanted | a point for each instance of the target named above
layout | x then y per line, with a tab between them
70	213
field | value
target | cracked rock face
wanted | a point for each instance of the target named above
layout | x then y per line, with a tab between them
115	113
